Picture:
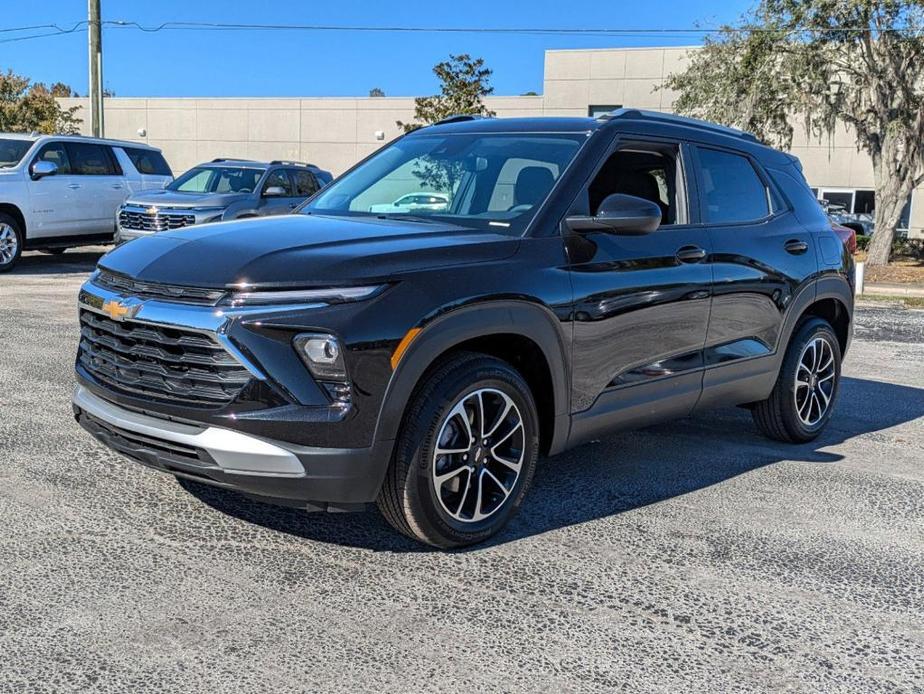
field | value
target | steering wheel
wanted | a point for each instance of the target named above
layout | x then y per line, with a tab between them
520	208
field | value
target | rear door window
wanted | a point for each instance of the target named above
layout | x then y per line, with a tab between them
148	161
90	159
732	191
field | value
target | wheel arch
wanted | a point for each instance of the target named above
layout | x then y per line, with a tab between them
525	334
15	213
833	302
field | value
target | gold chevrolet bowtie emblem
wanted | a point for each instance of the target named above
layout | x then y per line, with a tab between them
120	310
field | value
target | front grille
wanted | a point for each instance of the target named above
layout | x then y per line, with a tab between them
155	221
161	362
150	290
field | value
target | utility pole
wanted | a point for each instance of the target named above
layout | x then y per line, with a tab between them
95	33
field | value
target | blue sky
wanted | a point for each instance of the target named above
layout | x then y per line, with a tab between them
290	63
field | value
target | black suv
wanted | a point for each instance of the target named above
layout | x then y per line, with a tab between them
586	275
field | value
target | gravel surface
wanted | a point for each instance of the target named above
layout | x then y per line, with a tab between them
694	556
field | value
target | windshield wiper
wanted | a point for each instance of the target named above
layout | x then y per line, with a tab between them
407	218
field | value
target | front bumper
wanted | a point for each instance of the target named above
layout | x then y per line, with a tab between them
309	477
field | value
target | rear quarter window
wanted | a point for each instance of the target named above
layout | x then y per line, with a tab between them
148	161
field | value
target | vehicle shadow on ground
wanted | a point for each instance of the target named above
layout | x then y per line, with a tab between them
73	262
617	474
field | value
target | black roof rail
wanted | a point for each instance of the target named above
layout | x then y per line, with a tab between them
639	114
286	162
218	159
458	118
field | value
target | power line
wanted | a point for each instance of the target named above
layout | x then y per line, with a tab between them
78	27
638	32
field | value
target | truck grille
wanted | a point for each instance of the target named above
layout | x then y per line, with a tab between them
154	221
160	362
152	290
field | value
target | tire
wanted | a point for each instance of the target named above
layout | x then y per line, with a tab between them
790	414
445	512
11	241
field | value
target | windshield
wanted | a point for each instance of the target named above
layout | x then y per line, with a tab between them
482	181
218	179
12	151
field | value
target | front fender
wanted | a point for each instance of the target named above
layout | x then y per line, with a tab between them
451	329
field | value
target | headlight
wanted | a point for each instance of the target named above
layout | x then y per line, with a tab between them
321	297
322	355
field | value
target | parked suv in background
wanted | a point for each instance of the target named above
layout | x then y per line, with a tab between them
587	275
218	191
58	191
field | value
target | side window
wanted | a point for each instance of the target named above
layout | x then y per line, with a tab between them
304	181
653	174
280	179
148	161
89	159
731	189
56	153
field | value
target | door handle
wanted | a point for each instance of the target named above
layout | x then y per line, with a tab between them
117	186
73	186
690	254
795	246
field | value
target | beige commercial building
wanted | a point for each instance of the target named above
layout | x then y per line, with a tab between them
336	132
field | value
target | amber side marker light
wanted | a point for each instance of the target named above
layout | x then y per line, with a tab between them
402	346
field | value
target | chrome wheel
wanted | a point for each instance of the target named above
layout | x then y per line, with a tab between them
479	455
9	244
815	381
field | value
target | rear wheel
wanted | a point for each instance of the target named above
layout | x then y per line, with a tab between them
466	454
802	399
11	240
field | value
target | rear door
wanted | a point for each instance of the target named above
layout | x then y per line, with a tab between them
101	187
761	256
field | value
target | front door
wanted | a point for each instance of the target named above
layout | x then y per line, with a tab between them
641	303
278	204
55	199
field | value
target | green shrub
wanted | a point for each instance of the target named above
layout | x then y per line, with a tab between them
863	242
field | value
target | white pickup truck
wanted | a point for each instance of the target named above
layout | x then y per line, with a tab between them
59	191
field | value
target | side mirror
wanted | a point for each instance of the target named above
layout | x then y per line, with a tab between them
40	169
620	214
274	192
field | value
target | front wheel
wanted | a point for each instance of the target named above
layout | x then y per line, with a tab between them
466	454
11	240
802	400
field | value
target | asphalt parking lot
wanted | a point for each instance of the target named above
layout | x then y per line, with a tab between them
693	556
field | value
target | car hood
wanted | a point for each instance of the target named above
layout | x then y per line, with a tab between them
169	198
301	250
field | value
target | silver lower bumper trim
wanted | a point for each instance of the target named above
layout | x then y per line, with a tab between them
234	452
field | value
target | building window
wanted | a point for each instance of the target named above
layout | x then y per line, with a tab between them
597	111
